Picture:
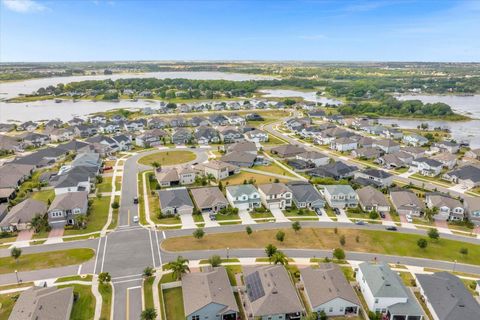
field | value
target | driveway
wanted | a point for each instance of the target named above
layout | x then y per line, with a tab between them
24	235
324	217
442	226
405	223
55	235
187	221
279	216
246	217
388	221
209	222
342	217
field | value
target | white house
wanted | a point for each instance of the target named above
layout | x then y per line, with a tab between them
427	166
343	144
275	195
448	208
243	196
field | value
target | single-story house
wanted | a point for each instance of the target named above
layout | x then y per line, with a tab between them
209	199
305	195
371	199
175	201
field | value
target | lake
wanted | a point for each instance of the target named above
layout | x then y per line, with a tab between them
307	96
48	109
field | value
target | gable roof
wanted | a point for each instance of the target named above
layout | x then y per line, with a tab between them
304	191
175	198
382	281
69	200
200	289
241	189
24	212
273	188
208	196
370	196
327	283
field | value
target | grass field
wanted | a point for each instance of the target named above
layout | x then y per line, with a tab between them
7	301
84	307
106	292
274	168
106	185
294	213
173	303
148	292
167	158
43	195
113	224
44	260
381	242
97	217
243	175
88	278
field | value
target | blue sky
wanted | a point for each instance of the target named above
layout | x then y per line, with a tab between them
70	30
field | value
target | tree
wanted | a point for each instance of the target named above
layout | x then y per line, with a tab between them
323	315
148	272
342	240
373	215
80	221
215	260
149	314
38	223
156	164
279	258
464	251
115	205
198	233
249	230
104	277
433	234
280	236
335	230
339	254
178	267
220	185
296	226
16	253
270	250
422	243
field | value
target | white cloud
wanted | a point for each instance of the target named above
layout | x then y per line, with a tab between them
24	6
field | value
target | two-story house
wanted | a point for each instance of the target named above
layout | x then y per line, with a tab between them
340	196
448	208
275	195
243	196
66	207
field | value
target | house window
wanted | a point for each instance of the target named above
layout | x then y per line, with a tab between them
330	309
376	300
196	317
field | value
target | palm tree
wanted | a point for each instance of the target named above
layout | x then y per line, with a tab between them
279	258
156	165
149	314
80	221
148	272
178	267
37	223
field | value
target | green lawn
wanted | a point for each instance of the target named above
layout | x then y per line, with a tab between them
148	292
223	217
106	292
96	218
88	278
274	168
114	222
273	141
84	307
173	303
243	175
43	195
44	260
294	213
7	301
106	185
167	158
141	204
382	242
259	215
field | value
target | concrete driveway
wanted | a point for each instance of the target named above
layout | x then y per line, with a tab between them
209	222
246	217
442	226
342	217
388	221
324	217
187	221
405	223
279	216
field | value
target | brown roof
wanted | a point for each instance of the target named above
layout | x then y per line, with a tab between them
24	212
207	197
371	196
273	188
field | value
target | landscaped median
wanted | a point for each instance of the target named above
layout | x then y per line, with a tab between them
45	260
381	242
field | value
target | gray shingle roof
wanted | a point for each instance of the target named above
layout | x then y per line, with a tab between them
24	212
69	200
175	198
304	191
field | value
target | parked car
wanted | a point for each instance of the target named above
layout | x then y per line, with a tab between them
409	218
360	223
318	212
382	215
107	168
135	200
135	219
337	211
391	228
212	217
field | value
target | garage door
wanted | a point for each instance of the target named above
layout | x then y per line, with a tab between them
274	206
243	206
182	211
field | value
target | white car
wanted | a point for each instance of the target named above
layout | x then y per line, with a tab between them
135	219
409	218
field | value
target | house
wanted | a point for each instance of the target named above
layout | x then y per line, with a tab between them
392	133
364	142
151	138
104	144
243	146
6	194
208	295
343	144
65	207
407	203
472	209
367	153
300	165
110	127
415	152
175	201
218	120
84	131
61	134
74	179
199	121
175	176
447	159
327	290
376	130
181	136
371	199
427	166
98	119
448	208
254	117
236	120
33	139
392	161
243	196
38	303
10	144
340	196
275	195
375	177
209	199
12	175
88	159
42	158
156	123
385	293
20	216
467	176
446	297
317	158
178	122
386	145
6	127
218	169
206	135
240	159
287	150
473	154
27	126
415	140
336	170
124	142
135	125
230	134
305	195
270	293
327	136
256	136
448	146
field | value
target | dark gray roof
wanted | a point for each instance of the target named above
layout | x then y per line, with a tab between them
333	169
304	191
467	172
449	297
377	173
431	162
175	198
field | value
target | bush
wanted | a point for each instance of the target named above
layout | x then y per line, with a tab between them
280	236
339	254
373	215
115	205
